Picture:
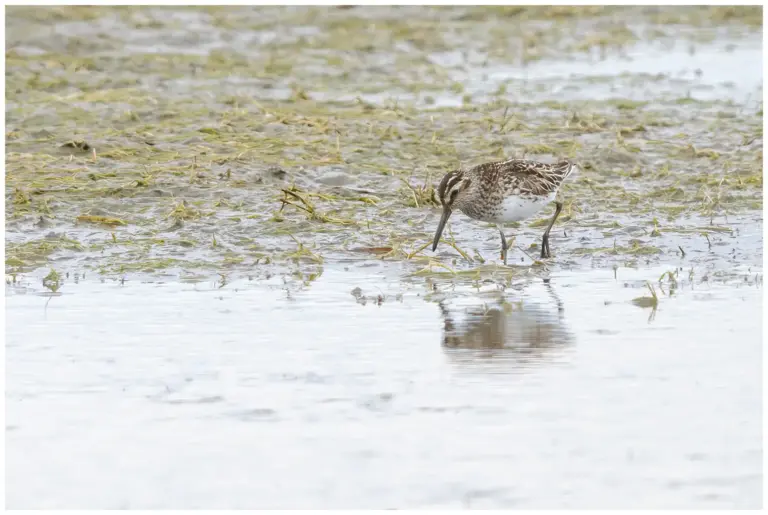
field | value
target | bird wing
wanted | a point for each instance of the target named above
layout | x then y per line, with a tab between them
530	177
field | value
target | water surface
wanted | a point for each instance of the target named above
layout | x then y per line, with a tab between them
365	390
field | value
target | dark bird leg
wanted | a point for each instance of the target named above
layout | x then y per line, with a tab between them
545	253
503	243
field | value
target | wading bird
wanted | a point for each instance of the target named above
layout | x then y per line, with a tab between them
501	192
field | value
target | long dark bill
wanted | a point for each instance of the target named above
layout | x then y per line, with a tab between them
443	219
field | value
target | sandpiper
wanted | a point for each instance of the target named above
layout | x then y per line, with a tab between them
503	191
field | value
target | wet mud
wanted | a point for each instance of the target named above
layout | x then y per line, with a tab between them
205	141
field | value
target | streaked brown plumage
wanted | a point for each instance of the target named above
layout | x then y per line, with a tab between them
501	192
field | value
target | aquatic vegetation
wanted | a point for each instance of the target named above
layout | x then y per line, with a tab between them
231	158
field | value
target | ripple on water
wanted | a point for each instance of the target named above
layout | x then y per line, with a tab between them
525	395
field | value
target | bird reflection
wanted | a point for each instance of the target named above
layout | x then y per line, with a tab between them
511	333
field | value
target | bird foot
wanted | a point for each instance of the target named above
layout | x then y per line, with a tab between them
545	252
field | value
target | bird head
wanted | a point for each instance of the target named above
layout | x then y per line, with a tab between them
451	192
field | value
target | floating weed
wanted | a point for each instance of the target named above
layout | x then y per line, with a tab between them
636	247
452	243
415	252
538	148
629	105
715	228
655	232
145	180
645	301
101	220
541	222
303	252
421	195
52	281
308	207
507	122
428	270
626	131
367	200
584	123
691	150
378	251
699	230
13	262
20	197
671	277
233	259
183	211
457	249
149	265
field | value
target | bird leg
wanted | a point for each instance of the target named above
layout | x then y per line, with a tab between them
503	244
545	253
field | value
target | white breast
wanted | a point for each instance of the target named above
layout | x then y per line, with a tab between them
516	209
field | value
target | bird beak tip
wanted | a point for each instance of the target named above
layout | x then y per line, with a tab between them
440	226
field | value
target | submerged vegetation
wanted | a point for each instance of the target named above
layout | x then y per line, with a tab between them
134	145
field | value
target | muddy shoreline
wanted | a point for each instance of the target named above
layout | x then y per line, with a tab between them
161	142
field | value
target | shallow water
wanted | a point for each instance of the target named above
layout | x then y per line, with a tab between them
220	350
372	389
723	69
